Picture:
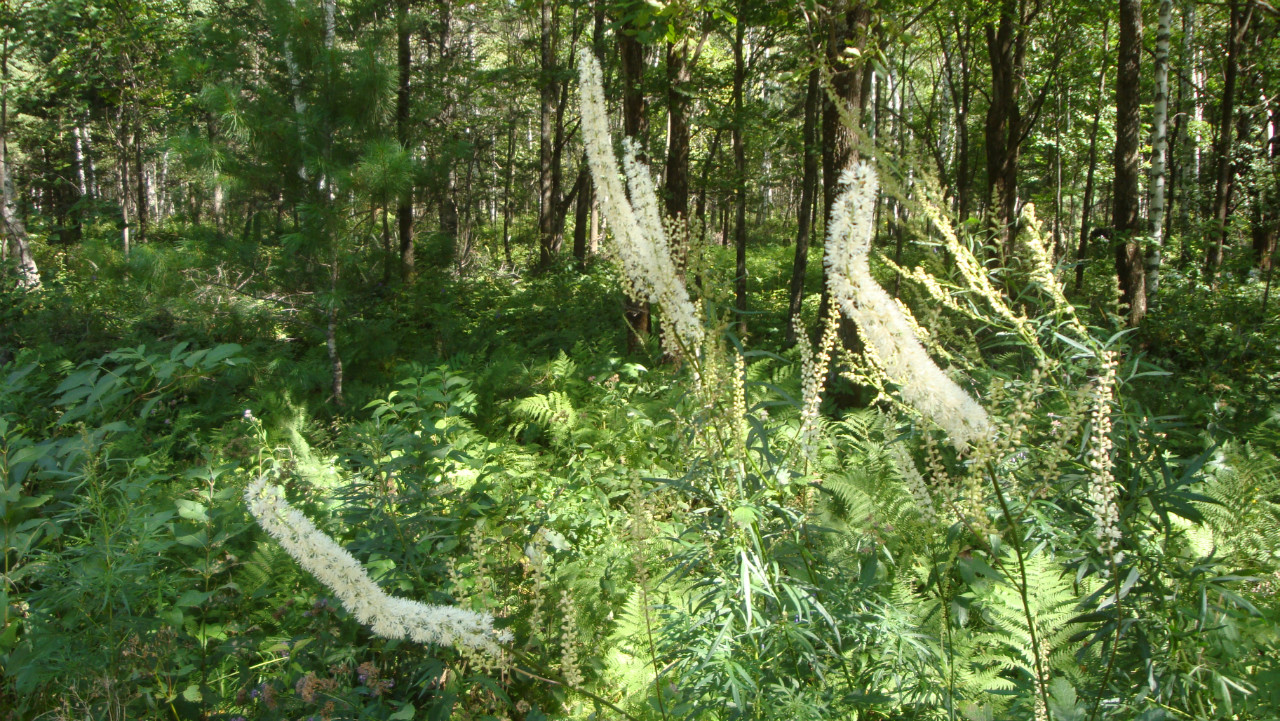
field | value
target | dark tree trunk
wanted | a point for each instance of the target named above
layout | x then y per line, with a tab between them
404	208
707	164
1006	48
1266	226
635	123
140	184
847	29
580	214
1125	216
961	92
1086	214
808	185
739	177
506	193
635	126
1226	165
548	246
676	182
677	168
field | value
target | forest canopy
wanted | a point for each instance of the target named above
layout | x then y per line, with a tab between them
631	359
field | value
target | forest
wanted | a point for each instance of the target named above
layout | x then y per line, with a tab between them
639	360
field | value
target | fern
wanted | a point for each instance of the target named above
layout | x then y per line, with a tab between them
1245	514
552	411
1007	637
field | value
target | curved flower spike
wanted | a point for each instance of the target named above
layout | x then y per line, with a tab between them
638	235
882	322
387	616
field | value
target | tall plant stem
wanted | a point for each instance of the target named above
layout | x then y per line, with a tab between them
1111	660
576	689
1022	587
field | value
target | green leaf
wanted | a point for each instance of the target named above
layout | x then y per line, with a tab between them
406	713
193	598
442	710
192	510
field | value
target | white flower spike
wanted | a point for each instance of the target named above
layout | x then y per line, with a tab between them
387	615
638	234
883	325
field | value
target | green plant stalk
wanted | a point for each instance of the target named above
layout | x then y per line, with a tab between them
1111	661
576	689
1041	687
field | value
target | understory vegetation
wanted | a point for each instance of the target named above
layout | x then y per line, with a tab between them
659	549
633	359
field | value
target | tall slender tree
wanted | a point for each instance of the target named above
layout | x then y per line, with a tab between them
1238	26
404	207
1159	147
1125	210
808	188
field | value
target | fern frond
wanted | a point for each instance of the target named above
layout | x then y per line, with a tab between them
552	411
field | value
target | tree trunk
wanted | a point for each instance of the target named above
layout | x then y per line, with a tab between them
1125	216
404	208
1086	213
580	213
140	183
739	176
676	182
1266	226
1006	48
546	146
1226	165
1184	171
847	29
1159	147
126	198
701	211
808	186
506	193
15	231
635	126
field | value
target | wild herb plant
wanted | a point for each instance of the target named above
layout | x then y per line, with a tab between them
986	541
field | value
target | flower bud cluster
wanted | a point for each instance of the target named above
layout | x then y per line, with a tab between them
814	368
915	483
1102	490
388	616
883	324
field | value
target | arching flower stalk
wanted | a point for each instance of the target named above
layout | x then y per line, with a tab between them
975	276
1041	260
638	233
883	324
386	615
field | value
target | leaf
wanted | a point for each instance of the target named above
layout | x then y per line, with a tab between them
442	710
224	352
192	510
406	713
192	598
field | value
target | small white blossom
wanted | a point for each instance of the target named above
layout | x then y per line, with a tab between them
1102	489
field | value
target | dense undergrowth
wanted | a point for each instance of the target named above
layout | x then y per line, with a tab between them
659	548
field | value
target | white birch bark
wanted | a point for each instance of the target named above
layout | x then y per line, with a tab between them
14	230
82	181
1159	146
